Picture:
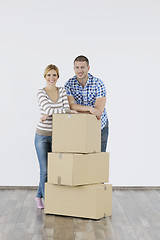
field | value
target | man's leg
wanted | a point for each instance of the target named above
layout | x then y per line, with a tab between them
104	137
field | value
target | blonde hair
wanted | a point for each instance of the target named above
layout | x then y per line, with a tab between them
51	67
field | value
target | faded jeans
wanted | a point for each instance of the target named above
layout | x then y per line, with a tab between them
104	137
43	145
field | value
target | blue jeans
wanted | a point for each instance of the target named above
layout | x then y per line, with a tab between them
43	145
104	137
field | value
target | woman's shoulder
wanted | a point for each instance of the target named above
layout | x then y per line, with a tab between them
41	91
61	89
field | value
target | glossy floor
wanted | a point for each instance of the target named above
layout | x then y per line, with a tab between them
136	215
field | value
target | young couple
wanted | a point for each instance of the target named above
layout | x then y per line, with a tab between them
82	93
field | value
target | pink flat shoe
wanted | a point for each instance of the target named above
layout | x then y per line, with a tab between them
39	202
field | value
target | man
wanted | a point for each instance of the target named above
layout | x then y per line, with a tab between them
87	94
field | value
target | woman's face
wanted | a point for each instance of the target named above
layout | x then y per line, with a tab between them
51	78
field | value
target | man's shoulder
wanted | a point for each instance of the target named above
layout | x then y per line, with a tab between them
94	79
71	81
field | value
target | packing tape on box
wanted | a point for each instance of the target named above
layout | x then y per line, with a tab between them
60	156
59	180
108	188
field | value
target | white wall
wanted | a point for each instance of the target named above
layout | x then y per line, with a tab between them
121	39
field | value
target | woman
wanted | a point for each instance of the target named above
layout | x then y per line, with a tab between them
51	100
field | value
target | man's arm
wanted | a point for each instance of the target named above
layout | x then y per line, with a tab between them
97	110
78	107
99	107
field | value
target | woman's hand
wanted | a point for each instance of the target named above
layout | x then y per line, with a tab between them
44	117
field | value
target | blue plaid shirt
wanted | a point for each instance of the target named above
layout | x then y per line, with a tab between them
88	94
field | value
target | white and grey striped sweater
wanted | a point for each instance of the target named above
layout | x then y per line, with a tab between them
47	106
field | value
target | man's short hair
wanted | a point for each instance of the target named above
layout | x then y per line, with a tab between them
81	58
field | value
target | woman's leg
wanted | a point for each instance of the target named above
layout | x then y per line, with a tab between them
43	146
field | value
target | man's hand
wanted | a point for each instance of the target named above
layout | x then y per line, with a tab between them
70	111
99	107
96	112
73	111
44	117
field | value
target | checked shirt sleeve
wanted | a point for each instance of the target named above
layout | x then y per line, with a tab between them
101	89
68	89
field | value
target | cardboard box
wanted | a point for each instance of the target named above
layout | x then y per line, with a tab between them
78	169
79	133
89	201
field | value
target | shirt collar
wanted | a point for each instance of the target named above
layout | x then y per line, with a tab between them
89	80
90	77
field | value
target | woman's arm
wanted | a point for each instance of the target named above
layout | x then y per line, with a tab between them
65	102
49	109
44	103
46	106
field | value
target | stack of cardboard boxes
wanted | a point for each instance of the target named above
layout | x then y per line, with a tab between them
78	172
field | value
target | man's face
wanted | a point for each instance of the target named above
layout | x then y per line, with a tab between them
81	70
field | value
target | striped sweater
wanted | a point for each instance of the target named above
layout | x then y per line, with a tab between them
47	106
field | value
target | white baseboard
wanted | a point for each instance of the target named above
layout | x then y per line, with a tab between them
114	187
